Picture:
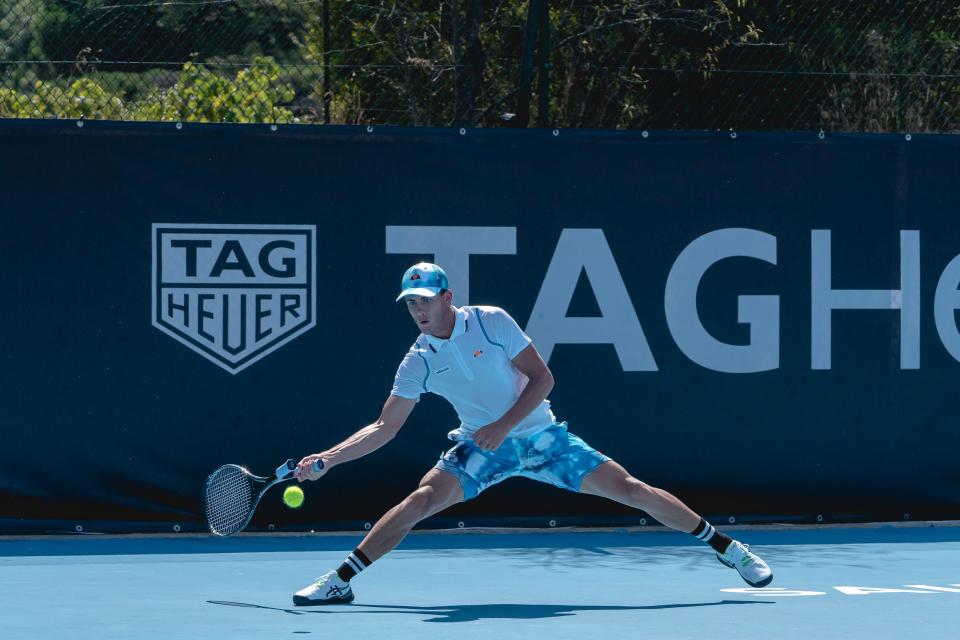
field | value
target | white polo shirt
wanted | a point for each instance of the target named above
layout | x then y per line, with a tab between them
474	371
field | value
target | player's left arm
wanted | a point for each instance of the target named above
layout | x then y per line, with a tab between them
530	364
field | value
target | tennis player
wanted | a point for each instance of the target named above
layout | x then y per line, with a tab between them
489	370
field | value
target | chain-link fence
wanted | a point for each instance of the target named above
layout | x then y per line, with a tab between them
659	64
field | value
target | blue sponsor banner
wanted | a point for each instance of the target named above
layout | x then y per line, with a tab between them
763	324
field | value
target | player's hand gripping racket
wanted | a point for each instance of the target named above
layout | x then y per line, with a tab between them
231	494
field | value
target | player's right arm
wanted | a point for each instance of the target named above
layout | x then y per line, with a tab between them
395	412
409	383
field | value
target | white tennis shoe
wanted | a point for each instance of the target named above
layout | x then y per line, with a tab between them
327	589
750	566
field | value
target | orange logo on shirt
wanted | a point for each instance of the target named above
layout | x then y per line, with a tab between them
477	353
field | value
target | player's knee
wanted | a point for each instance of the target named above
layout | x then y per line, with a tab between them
421	502
640	493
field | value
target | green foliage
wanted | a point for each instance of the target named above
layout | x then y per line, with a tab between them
200	95
18	20
255	94
81	98
885	65
241	27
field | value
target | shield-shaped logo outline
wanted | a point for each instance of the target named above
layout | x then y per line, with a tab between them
159	228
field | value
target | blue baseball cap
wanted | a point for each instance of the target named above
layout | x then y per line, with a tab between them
423	279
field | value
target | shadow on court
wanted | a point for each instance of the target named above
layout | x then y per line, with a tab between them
475	612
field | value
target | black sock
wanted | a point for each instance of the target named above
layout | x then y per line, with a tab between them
706	533
354	564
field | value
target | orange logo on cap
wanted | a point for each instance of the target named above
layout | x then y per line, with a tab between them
415	276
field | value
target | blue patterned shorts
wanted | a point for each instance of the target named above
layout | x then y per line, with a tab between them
552	455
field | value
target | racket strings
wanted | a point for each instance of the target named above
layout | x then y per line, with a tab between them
229	498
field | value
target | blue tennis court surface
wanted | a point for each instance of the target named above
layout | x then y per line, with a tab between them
829	583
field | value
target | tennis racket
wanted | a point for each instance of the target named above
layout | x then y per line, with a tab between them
231	495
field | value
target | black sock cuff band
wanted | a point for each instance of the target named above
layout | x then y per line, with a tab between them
362	557
704	531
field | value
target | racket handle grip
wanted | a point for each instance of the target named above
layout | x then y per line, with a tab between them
286	469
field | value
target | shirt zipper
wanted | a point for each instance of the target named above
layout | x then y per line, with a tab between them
459	359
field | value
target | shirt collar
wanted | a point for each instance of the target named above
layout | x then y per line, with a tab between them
459	327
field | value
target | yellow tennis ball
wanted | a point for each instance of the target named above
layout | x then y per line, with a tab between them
293	497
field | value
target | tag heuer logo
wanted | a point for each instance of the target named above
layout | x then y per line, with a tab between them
233	292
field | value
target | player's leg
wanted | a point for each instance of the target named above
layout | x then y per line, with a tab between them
437	490
610	480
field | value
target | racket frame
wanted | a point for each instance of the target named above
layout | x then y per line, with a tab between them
284	472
